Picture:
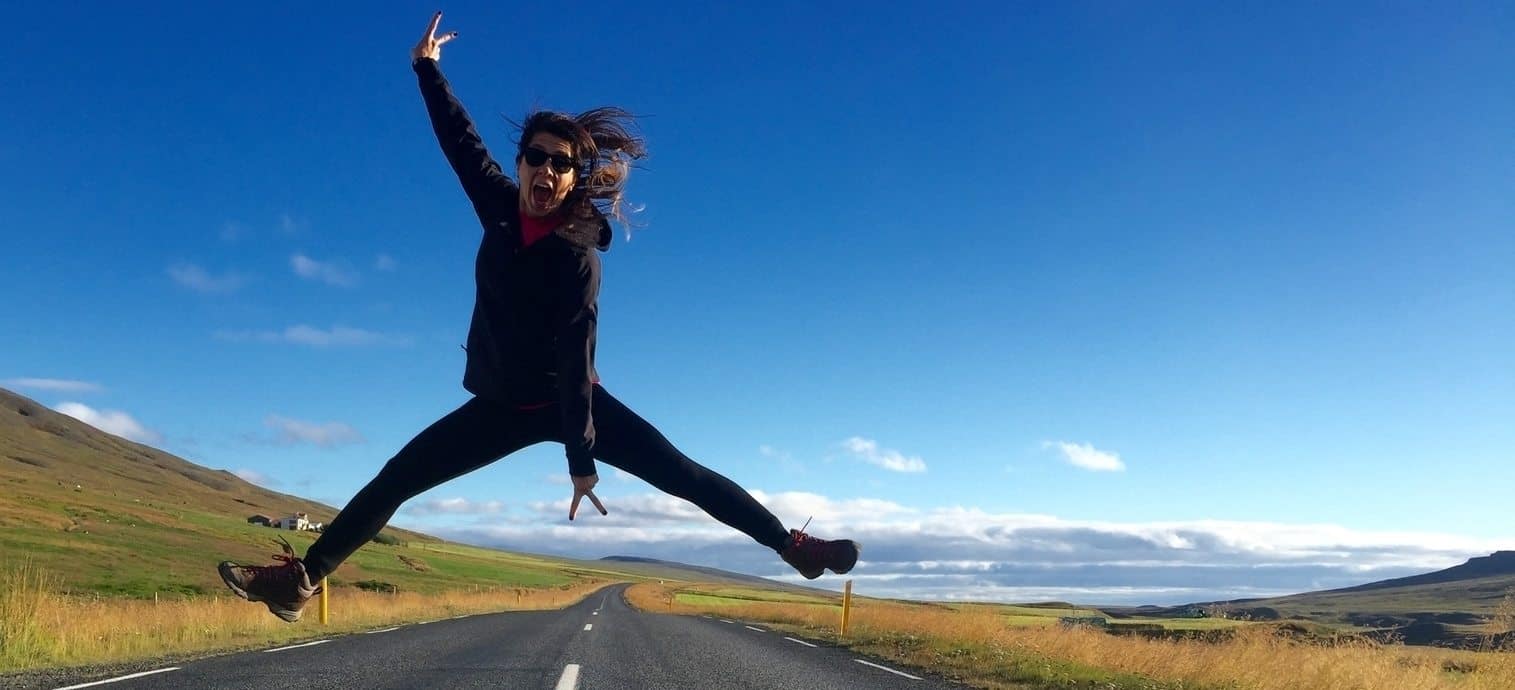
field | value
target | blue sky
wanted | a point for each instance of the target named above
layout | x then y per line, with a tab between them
1124	301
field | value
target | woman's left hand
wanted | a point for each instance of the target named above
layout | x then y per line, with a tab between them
584	486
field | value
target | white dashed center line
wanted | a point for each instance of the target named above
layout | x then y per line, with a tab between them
570	678
297	646
807	644
752	628
723	620
588	626
886	668
112	680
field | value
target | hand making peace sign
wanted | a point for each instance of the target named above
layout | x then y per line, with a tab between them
431	46
584	486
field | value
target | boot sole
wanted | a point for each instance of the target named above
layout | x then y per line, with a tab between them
284	614
287	615
225	568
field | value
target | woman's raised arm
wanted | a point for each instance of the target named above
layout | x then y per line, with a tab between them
491	191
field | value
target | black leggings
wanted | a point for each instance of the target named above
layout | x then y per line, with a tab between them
481	431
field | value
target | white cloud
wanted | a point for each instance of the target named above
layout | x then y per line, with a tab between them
967	553
385	262
646	509
54	385
768	451
337	336
868	451
112	422
200	280
255	477
455	506
327	435
332	273
1087	456
797	506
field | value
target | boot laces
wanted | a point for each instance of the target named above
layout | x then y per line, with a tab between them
273	573
801	539
284	570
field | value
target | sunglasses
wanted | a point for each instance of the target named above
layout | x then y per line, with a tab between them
535	157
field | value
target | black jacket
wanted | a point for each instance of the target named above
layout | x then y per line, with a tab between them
534	315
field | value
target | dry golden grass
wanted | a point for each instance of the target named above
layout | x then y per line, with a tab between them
40	628
979	648
1503	620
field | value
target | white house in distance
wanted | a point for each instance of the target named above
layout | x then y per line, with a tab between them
298	522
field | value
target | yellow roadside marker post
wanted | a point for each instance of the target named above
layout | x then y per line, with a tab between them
846	606
325	603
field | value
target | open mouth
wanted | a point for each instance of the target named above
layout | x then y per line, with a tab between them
541	195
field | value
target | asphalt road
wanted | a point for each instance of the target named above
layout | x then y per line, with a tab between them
597	644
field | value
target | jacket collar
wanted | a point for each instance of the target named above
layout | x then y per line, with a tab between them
589	230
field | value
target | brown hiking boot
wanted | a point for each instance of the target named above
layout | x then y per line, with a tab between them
283	588
812	556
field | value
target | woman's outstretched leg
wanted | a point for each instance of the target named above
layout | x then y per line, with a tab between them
627	441
470	437
474	435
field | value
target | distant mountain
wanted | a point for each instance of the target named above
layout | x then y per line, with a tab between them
1463	592
1497	564
1447	606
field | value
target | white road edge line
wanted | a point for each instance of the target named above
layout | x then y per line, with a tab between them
807	644
375	632
752	628
570	678
588	626
112	680
297	646
886	668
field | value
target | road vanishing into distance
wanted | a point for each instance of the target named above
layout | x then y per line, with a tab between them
597	644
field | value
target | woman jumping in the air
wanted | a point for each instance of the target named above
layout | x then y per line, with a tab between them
531	348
